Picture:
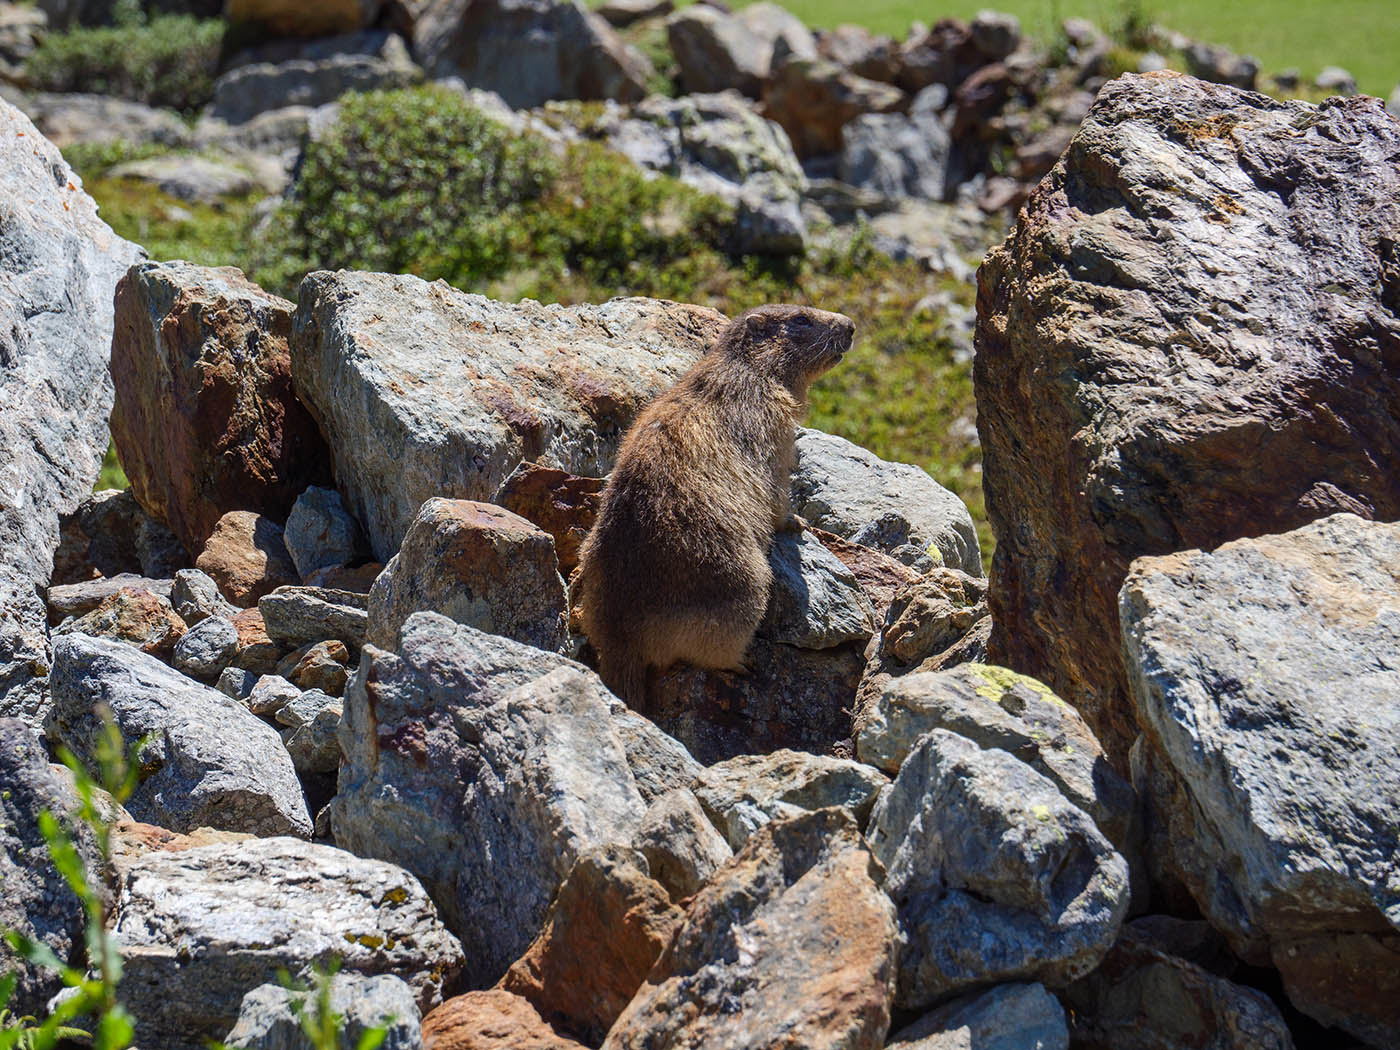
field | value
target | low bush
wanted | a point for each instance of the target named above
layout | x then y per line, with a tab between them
170	60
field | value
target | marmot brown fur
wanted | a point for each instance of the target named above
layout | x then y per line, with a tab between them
676	566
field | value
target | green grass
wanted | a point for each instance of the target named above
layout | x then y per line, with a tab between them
1361	35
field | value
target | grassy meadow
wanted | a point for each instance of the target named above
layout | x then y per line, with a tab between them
1363	36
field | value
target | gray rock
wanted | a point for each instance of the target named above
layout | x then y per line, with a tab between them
120	537
59	266
196	597
1266	676
200	180
682	847
998	708
68	119
540	775
198	929
269	1018
407	422
25	652
296	616
529	51
769	219
897	155
790	944
208	760
21	30
718	51
1220	65
815	601
206	649
1336	81
995	34
237	683
995	874
742	794
478	564
840	487
371	61
320	532
624	12
1007	1017
659	763
312	719
76	599
271	693
37	901
1142	998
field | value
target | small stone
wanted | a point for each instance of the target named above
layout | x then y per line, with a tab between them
995	34
1007	1017
271	693
815	601
564	505
246	557
320	532
256	651
206	649
491	1020
322	665
195	596
312	718
1335	80
682	847
297	616
136	617
269	1018
236	683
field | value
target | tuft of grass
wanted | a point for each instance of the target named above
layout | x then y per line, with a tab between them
170	60
111	476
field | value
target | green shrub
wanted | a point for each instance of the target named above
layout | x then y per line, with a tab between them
169	61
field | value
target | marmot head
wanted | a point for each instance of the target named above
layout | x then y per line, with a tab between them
793	344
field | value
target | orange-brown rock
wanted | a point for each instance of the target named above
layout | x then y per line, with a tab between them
813	99
131	615
490	1020
205	419
256	651
792	944
246	557
1172	362
605	930
879	575
564	505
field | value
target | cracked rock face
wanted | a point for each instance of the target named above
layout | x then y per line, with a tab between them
1267	678
1192	335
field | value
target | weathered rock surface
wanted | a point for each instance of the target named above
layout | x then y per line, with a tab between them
862	52
297	616
562	504
840	487
256	651
814	99
206	649
201	180
200	928
607	926
25	652
477	564
997	708
742	794
208	761
1141	998
1007	1017
320	532
205	420
682	847
879	575
995	874
68	118
61	264
196	597
246	557
1267	678
137	617
529	51
539	776
268	1019
271	693
489	1020
898	155
77	599
406	422
791	944
659	763
37	901
312	719
815	602
1174	361
111	533
717	51
320	665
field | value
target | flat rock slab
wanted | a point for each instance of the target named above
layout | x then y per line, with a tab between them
60	266
426	391
296	616
1267	678
208	761
486	767
199	928
790	944
1192	335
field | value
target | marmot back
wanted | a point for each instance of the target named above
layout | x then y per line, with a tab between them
676	566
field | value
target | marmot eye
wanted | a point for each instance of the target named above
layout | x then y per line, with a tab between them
802	321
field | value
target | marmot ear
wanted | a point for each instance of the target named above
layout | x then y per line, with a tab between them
752	322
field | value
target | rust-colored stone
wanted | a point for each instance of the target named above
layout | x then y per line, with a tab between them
563	504
132	615
246	557
256	651
879	575
490	1020
205	419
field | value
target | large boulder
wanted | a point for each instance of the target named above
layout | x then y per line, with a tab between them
1007	1017
539	774
205	420
478	564
489	1020
37	902
197	929
791	944
529	51
1191	336
25	651
206	759
406	421
59	264
996	875
1267	679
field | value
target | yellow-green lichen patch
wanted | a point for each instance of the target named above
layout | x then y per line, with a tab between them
395	896
1001	680
366	940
